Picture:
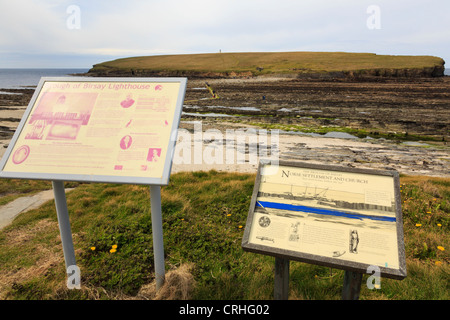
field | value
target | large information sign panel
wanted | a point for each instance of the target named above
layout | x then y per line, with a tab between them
328	215
120	130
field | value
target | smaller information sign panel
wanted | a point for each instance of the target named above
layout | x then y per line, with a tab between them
327	215
119	130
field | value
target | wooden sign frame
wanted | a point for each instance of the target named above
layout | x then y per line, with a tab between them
322	226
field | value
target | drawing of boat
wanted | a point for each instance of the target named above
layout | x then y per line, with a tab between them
338	253
321	201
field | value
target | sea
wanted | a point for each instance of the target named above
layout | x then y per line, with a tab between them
29	78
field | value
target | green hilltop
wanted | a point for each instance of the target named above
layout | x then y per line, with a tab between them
292	64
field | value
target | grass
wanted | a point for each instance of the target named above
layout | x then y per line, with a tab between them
374	133
260	63
204	215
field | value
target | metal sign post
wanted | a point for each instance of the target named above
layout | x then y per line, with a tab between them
64	223
158	242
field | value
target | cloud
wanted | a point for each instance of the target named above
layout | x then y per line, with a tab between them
136	27
22	23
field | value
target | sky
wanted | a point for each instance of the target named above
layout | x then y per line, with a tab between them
79	34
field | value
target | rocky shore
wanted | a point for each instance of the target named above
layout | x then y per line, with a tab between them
390	108
420	106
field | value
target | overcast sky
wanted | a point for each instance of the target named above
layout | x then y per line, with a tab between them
78	34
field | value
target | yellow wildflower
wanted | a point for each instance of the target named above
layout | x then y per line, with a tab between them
439	225
114	246
92	248
229	215
438	263
441	248
240	227
418	224
112	250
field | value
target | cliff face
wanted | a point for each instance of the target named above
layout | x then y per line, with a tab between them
116	72
427	72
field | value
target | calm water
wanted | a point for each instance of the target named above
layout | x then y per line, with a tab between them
19	78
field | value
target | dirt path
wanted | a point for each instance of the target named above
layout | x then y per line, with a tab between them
23	204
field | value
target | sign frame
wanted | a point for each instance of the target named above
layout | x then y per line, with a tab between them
164	180
351	266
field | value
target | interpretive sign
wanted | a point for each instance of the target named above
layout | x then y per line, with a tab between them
120	130
113	130
334	216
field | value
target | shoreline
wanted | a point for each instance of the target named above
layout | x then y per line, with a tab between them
293	106
420	159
